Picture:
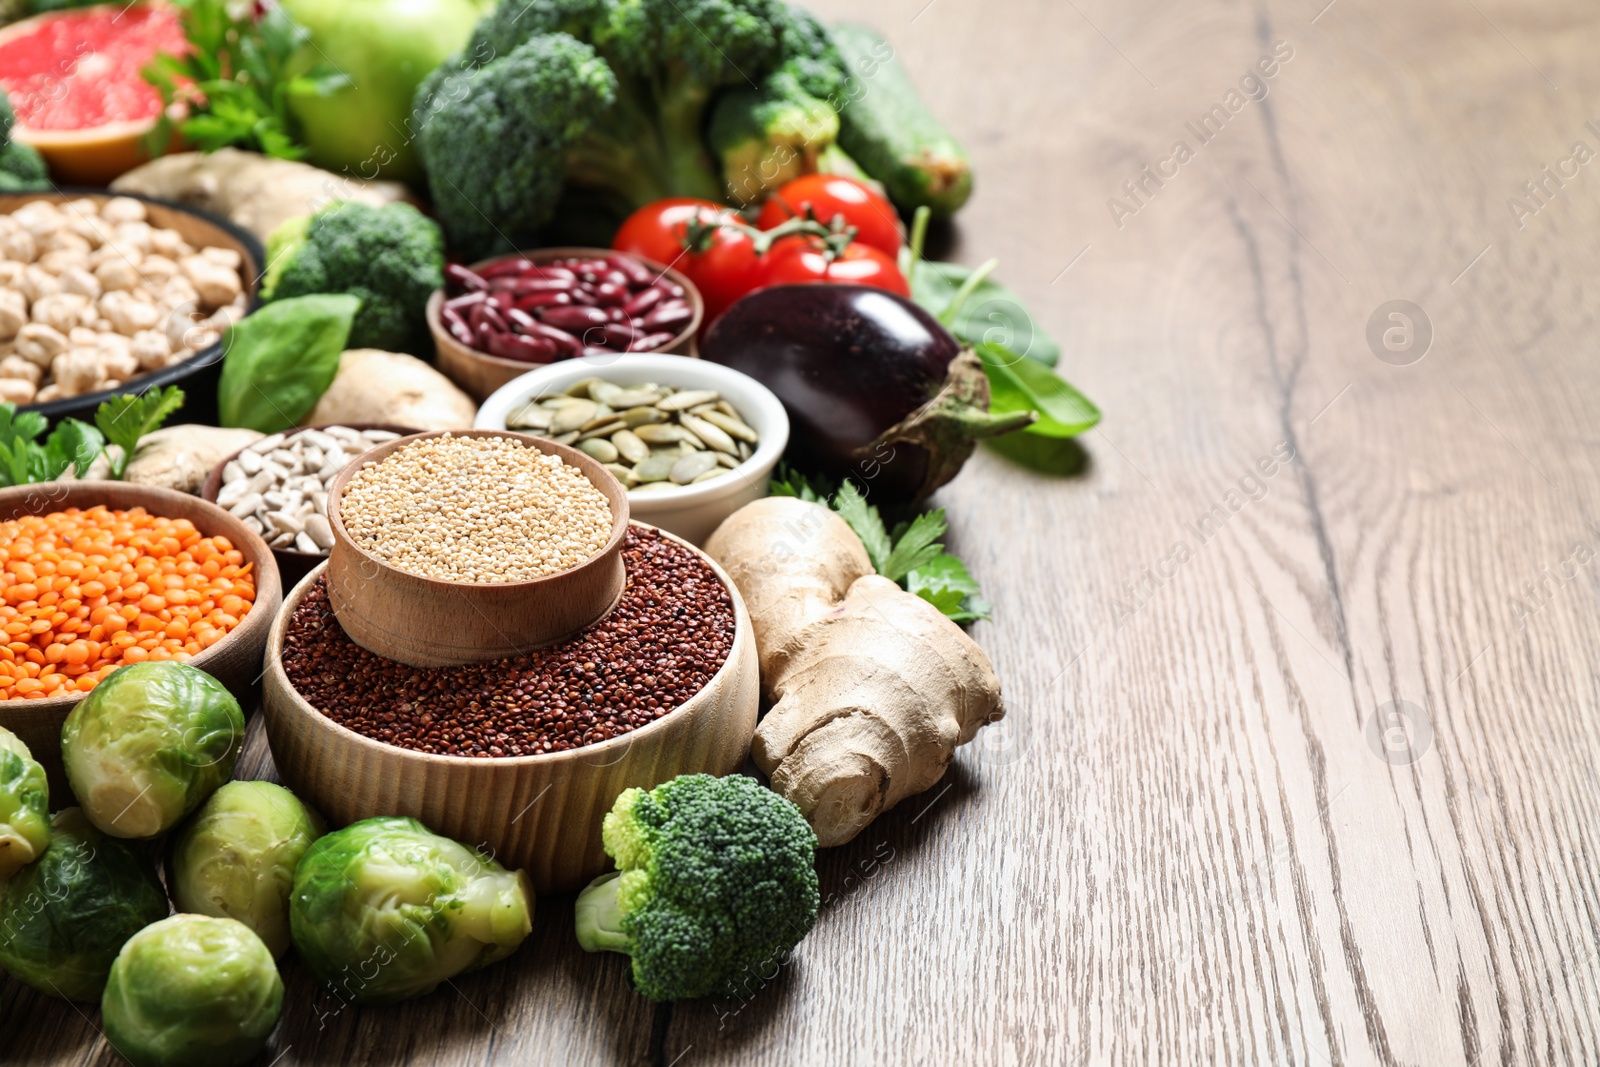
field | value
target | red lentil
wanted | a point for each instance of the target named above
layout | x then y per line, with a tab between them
668	635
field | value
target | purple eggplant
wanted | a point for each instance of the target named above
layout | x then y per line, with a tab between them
875	388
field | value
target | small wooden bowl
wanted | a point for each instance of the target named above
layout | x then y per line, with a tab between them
540	813
293	564
479	373
429	622
235	660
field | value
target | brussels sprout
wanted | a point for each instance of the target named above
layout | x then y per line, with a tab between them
192	990
24	804
384	909
236	857
148	744
63	918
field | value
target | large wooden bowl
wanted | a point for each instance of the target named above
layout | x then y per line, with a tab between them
429	622
199	373
541	813
479	373
235	660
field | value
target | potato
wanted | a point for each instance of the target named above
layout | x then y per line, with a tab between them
398	390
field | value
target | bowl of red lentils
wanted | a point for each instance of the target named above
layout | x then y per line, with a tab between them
462	546
99	575
523	755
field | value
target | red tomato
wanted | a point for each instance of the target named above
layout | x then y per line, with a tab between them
656	231
725	270
828	195
800	259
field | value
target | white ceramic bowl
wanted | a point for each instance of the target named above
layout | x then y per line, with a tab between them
690	511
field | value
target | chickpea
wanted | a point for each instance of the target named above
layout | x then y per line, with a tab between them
133	235
123	209
216	285
40	344
15	366
36	282
157	269
150	350
76	371
17	391
64	239
168	243
19	245
60	311
128	315
58	261
117	274
13	313
11	271
80	281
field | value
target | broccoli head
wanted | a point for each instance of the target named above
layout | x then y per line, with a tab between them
391	257
495	135
22	167
716	884
608	98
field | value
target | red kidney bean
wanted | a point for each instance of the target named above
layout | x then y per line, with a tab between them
618	335
643	302
609	295
614	302
515	265
525	349
560	338
534	301
637	273
672	316
464	278
460	303
574	318
596	350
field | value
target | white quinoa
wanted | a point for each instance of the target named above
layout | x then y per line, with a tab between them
475	509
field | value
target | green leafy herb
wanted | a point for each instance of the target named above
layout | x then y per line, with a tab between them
24	460
232	86
126	418
910	554
1018	384
281	360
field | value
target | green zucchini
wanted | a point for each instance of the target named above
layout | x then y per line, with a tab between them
891	133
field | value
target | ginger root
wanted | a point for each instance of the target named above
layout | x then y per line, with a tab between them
871	687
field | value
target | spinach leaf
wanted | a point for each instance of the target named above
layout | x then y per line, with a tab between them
281	360
126	418
1017	384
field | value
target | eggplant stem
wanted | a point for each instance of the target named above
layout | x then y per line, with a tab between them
953	311
988	424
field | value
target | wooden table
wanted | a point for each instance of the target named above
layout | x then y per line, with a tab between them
1199	835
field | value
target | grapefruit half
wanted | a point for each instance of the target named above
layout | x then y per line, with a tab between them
73	80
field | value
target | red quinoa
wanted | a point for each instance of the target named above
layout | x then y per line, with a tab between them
668	635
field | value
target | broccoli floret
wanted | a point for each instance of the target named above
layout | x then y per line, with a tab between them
770	135
613	98
495	135
22	167
391	257
717	884
8	119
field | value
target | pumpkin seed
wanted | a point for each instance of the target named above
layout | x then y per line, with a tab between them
599	448
659	434
566	438
605	429
631	448
710	474
583	386
744	451
708	433
530	417
726	460
687	399
602	418
624	474
620	397
733	426
693	466
643	416
572	416
655	469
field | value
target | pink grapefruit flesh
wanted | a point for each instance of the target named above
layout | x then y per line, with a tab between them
73	80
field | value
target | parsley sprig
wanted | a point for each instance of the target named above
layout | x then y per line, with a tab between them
910	553
232	86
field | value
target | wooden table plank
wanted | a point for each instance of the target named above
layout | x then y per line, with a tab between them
1184	843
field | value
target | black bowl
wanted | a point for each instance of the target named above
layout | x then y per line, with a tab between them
199	373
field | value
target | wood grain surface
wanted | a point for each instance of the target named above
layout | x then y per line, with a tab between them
1191	841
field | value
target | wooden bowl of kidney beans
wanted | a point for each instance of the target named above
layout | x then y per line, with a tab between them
497	319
